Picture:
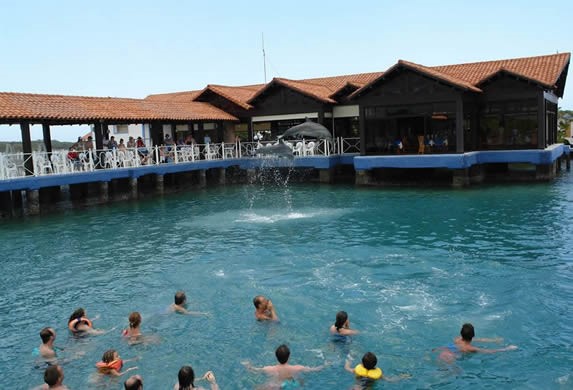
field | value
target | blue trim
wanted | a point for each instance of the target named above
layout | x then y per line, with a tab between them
449	161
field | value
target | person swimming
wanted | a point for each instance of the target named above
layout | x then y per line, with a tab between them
46	350
366	372
54	378
264	309
186	379
463	344
341	325
111	364
79	323
134	323
134	382
180	305
283	373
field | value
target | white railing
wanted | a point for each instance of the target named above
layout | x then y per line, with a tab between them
13	165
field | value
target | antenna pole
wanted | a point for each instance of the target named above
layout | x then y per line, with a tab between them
264	58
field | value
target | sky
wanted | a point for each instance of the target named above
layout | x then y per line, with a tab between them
137	48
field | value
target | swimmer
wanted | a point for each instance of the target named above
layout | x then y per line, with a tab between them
367	370
186	379
463	344
134	382
283	373
47	349
53	378
341	326
264	309
180	305
79	323
111	364
134	323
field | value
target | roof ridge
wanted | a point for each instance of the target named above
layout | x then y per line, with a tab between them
502	60
66	96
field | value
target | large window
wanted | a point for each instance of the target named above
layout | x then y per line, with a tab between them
509	125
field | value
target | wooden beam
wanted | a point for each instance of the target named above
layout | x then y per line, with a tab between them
541	139
459	124
47	137
27	148
362	125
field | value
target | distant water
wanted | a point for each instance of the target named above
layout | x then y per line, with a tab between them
409	266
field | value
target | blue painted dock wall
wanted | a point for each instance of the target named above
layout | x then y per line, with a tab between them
41	194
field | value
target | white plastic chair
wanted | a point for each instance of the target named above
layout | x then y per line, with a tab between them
310	148
42	165
298	149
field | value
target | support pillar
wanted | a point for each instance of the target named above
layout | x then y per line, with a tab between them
202	173
558	164
568	162
27	148
326	175
460	178
222	175
476	174
133	187
5	204
104	191
159	184
33	202
251	175
47	137
544	172
363	178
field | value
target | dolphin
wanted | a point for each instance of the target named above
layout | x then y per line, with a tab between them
278	150
308	129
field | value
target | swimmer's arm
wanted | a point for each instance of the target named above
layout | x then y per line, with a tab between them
348	366
311	369
484	350
117	373
247	364
489	340
396	378
197	313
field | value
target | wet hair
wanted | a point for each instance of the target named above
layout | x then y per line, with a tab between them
46	334
369	361
258	300
52	375
77	314
180	298
341	318
134	319
467	332
186	378
133	383
282	353
108	356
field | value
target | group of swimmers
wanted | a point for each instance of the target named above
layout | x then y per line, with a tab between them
283	374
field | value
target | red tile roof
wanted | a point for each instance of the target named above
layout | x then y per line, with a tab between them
20	106
238	95
544	70
185	96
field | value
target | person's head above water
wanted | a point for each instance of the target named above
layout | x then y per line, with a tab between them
369	361
134	382
282	353
467	332
54	375
77	314
46	335
109	356
341	318
186	377
134	319
180	298
260	302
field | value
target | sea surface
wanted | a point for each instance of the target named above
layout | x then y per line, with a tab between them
410	266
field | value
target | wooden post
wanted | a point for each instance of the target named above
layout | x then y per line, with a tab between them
33	202
362	125
363	178
541	139
98	135
202	177
133	187
159	184
104	191
459	124
27	148
222	176
47	137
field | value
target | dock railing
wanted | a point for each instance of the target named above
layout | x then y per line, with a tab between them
58	162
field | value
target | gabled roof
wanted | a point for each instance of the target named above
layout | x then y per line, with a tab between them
238	95
185	96
24	106
322	89
543	70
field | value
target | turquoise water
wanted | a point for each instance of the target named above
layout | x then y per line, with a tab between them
409	266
